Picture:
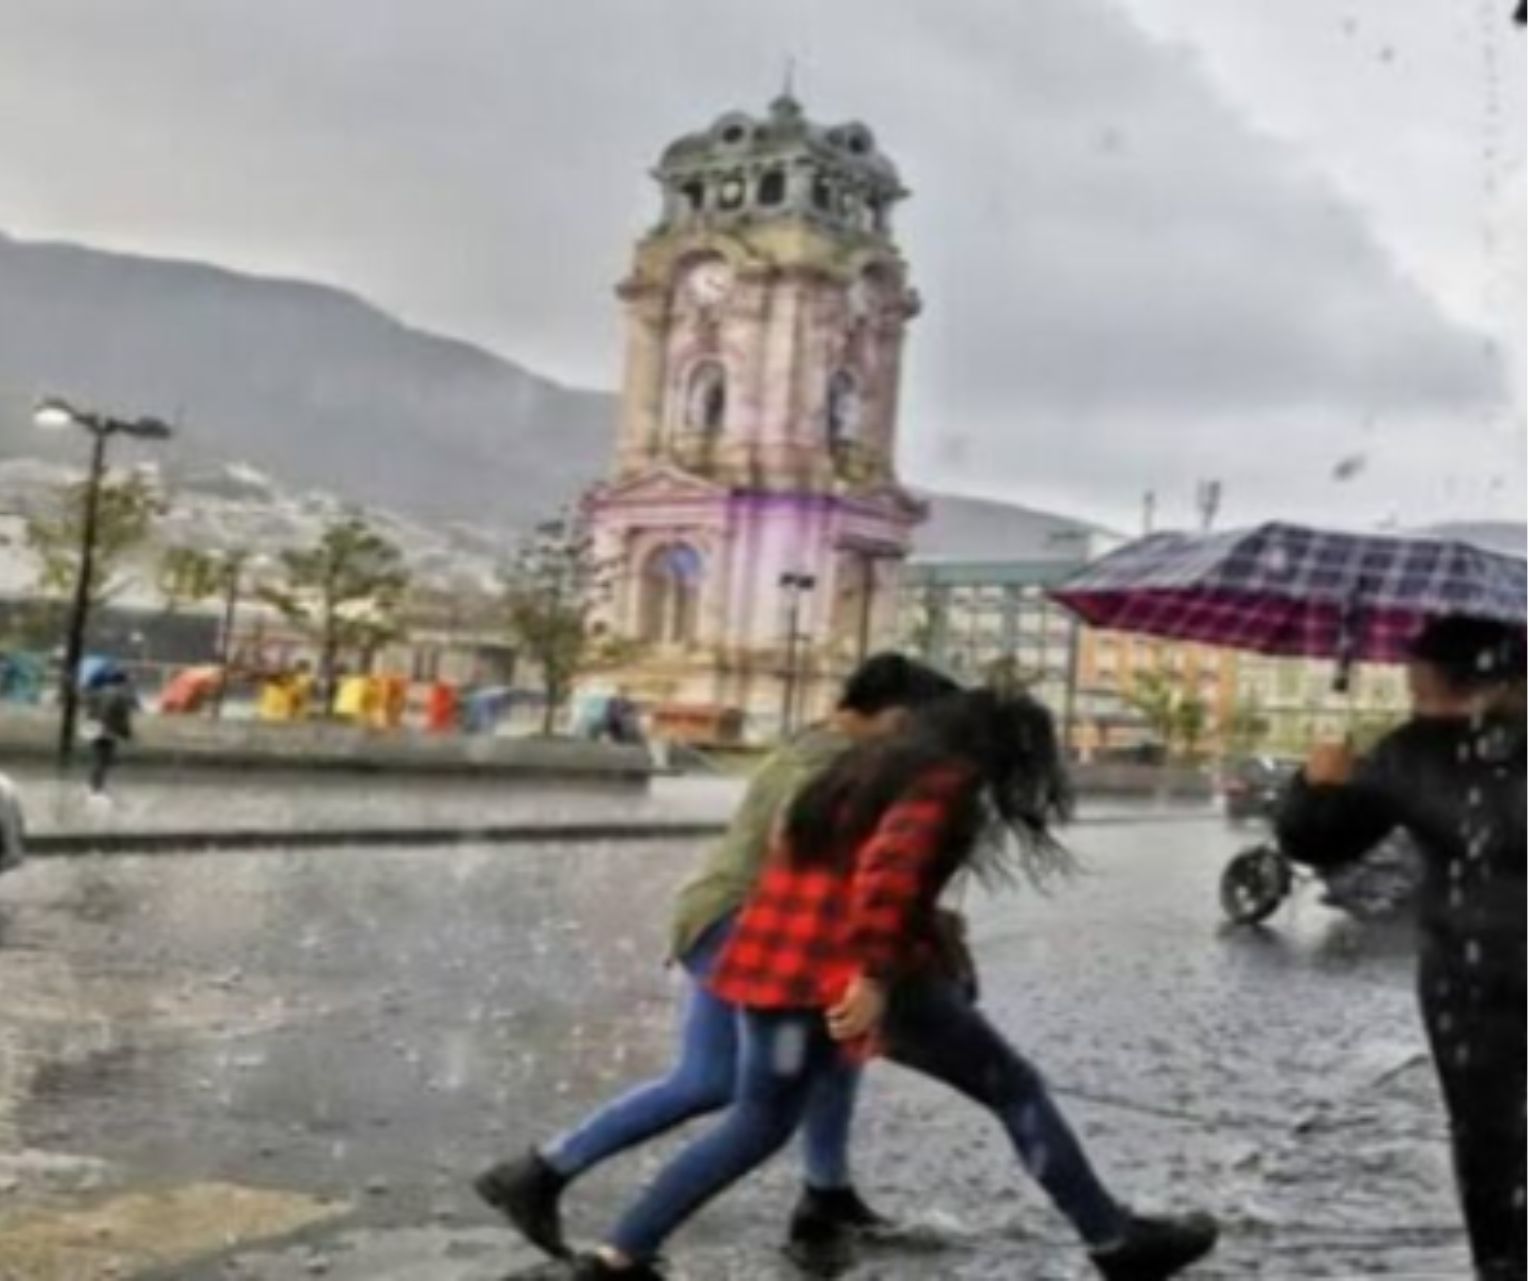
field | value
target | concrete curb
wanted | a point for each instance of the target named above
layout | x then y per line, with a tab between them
28	738
68	844
64	844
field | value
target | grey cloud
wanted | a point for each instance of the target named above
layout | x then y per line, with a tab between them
1124	278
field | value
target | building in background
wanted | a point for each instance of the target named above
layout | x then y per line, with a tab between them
976	615
983	620
1296	704
1111	667
980	617
752	517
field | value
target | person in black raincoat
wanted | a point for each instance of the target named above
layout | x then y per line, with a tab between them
1453	777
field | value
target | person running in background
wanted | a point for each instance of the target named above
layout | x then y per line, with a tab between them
110	705
1453	777
837	955
874	702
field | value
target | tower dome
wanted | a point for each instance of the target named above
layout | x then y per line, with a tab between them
780	165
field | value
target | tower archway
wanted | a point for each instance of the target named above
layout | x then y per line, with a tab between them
668	605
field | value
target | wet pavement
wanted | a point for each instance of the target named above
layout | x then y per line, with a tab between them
288	1064
149	799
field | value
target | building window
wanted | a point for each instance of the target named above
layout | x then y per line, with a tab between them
694	194
670	595
822	194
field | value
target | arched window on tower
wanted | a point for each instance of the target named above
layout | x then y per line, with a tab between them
843	410
705	399
670	595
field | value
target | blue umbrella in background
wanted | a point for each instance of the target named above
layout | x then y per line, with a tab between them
97	670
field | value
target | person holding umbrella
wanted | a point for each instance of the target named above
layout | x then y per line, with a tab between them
1453	777
110	702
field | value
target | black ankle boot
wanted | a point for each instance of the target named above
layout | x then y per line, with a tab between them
845	1205
526	1192
823	1229
1155	1249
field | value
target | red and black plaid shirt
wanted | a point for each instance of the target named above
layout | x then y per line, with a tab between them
806	932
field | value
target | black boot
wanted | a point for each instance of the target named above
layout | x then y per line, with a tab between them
1155	1249
823	1229
526	1193
846	1205
590	1267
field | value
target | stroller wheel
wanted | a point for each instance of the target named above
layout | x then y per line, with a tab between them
1253	885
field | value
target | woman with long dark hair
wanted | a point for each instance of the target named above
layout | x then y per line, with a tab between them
876	698
840	951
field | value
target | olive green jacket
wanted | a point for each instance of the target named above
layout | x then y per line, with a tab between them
726	878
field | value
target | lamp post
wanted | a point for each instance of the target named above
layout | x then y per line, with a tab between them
795	586
55	414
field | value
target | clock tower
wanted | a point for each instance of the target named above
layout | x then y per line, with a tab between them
753	512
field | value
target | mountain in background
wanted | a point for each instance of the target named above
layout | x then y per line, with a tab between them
320	391
325	398
305	382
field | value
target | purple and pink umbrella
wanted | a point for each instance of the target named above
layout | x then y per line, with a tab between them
1294	591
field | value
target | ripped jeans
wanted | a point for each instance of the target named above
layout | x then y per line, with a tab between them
932	1028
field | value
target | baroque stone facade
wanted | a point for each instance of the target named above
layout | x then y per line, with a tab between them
753	512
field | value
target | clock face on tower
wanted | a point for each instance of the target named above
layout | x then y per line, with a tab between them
708	283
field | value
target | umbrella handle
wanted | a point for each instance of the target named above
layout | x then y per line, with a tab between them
1349	628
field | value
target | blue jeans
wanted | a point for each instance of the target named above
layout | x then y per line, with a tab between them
704	1080
931	1027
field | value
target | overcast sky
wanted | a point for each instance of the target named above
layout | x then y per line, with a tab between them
1157	239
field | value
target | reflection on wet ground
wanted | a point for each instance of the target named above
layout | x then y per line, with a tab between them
355	1032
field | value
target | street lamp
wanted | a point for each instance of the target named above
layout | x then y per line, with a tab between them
57	414
795	585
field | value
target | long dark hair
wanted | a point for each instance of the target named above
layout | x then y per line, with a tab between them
1008	780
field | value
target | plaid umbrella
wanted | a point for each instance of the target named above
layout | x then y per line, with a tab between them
1289	590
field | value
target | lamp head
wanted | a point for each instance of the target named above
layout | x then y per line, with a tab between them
54	414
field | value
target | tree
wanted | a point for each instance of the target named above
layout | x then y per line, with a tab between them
553	589
1155	695
1191	719
346	593
1247	727
189	575
128	507
1178	716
